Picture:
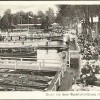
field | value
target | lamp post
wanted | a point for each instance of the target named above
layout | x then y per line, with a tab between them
20	22
28	22
39	19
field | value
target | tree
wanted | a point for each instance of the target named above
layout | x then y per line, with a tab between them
30	17
75	13
35	19
51	16
6	20
66	15
41	18
16	19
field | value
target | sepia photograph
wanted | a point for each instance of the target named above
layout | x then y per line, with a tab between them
49	46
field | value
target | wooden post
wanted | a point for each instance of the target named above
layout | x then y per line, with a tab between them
62	72
69	58
59	79
21	59
39	65
15	64
20	50
43	63
55	87
1	50
96	28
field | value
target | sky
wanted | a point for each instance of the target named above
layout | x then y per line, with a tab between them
25	6
35	6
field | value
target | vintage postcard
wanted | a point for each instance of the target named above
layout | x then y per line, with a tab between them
49	49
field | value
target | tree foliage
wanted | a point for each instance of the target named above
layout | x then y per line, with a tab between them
8	20
75	13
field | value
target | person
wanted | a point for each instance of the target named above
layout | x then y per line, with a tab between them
96	40
47	42
87	64
86	68
91	79
95	69
82	51
22	42
87	55
67	43
82	79
95	55
63	55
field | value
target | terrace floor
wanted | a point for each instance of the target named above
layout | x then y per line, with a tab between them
66	81
73	45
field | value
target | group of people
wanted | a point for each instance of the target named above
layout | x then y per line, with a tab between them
89	51
88	73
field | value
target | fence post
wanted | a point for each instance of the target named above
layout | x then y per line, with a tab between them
69	59
15	64
43	63
21	59
59	80
55	87
62	72
40	66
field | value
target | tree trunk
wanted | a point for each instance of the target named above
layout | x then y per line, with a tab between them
89	33
98	31
91	16
99	26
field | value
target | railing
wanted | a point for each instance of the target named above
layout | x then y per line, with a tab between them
26	63
31	35
56	83
74	54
